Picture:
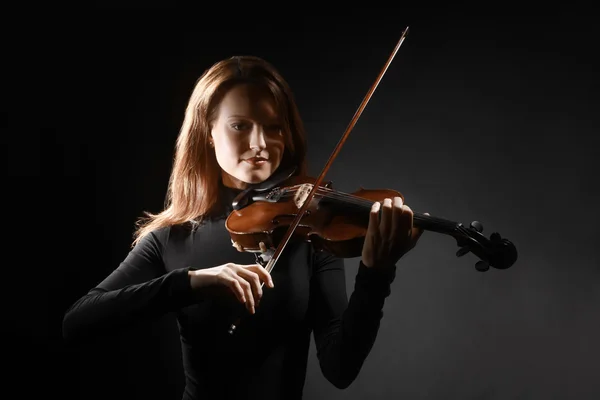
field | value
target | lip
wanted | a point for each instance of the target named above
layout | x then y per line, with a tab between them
256	160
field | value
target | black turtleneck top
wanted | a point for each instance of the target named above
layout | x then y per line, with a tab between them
268	352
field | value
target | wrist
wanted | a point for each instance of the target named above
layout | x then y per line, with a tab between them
193	275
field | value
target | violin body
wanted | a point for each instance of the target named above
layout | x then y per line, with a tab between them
331	222
337	221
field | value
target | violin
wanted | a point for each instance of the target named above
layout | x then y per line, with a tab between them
337	221
287	207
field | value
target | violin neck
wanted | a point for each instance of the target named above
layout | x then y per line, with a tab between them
435	224
362	207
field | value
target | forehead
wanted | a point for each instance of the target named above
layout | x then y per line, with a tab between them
248	100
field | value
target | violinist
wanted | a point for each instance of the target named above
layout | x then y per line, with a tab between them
241	125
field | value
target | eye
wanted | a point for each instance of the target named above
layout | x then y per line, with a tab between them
274	129
239	126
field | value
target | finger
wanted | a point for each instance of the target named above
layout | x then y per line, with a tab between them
263	274
385	225
237	289
372	236
396	219
416	234
247	289
405	227
374	221
252	278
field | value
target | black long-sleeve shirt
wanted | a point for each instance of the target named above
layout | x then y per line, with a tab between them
266	357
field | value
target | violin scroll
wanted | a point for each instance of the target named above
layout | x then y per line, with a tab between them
496	252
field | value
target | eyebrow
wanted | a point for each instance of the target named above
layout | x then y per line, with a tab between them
272	121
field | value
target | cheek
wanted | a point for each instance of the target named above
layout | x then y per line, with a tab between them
278	146
229	148
227	155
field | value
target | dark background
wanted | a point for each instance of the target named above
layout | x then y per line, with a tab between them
491	118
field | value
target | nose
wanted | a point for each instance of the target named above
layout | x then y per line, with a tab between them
257	138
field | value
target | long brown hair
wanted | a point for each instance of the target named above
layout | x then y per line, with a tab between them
193	190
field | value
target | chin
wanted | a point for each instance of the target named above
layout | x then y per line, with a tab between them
257	177
251	175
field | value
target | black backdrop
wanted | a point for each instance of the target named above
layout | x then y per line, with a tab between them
490	118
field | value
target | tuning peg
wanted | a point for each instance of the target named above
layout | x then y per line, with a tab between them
462	251
482	266
477	226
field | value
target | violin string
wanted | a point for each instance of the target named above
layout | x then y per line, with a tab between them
331	194
365	204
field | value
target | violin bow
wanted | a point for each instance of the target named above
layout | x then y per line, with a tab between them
273	256
502	253
272	259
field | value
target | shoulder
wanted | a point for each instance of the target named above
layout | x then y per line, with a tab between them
154	240
173	233
161	236
160	240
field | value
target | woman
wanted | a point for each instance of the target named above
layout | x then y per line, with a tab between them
242	125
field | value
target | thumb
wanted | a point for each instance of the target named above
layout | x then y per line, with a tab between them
417	232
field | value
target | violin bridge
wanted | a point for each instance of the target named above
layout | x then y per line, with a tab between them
302	194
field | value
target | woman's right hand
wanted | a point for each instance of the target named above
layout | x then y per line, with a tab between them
245	281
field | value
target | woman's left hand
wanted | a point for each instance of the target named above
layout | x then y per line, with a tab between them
390	237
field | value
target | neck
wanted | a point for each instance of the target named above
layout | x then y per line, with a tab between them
232	182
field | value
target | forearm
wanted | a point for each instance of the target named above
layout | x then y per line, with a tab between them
347	341
102	311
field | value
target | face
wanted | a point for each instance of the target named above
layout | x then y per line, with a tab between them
247	136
